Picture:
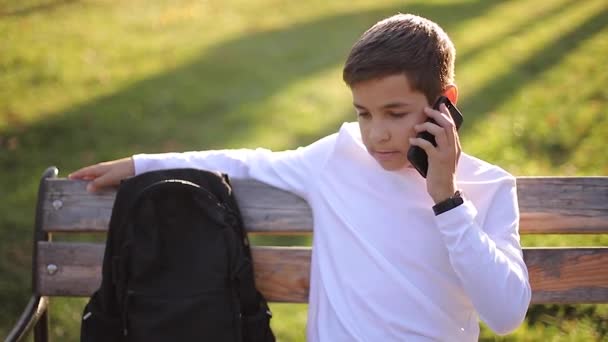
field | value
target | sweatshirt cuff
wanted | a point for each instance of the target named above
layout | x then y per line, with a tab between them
462	214
459	230
141	163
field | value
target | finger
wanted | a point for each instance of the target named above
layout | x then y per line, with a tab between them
438	132
444	120
103	181
91	187
424	144
86	173
458	147
95	184
442	117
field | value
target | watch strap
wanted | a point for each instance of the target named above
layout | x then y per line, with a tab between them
449	203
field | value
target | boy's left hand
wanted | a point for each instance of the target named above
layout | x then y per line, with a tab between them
443	159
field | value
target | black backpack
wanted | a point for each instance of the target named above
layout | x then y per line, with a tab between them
177	265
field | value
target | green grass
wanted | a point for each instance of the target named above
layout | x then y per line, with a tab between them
85	81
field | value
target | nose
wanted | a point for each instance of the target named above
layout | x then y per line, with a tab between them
378	133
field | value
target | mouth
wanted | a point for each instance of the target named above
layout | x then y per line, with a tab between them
386	155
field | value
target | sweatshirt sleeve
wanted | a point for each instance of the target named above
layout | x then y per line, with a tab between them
488	260
292	170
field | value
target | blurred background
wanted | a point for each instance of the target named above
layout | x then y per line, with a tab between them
87	81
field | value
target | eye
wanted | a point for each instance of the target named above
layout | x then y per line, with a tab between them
363	115
397	115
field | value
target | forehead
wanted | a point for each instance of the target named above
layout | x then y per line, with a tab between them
380	91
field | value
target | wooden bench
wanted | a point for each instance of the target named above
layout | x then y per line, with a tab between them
555	205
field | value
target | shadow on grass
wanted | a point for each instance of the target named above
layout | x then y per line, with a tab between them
210	103
493	94
516	31
41	7
206	104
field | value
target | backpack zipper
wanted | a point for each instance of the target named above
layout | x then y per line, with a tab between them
125	328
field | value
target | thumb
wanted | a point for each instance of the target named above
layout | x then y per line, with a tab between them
98	183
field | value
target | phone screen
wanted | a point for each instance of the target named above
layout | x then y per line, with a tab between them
416	155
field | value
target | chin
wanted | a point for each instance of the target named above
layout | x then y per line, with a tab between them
394	166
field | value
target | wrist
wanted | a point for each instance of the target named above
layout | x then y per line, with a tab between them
450	203
444	194
129	163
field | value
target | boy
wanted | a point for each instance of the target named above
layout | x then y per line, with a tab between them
396	257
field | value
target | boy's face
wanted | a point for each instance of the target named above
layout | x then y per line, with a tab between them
388	109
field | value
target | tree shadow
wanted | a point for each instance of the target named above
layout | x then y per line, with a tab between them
42	7
206	103
477	105
474	51
200	105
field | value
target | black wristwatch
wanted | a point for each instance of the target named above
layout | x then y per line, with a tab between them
450	203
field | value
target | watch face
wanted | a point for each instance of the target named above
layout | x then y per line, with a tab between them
458	198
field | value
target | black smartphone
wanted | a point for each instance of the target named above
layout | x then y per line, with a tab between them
415	154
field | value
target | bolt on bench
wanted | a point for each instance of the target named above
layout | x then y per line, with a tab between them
548	205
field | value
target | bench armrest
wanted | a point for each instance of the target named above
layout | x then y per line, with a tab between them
35	308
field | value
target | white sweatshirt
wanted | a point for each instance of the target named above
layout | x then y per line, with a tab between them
384	267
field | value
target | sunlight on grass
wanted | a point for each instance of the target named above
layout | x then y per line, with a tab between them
565	139
310	111
78	56
514	50
289	321
484	32
85	81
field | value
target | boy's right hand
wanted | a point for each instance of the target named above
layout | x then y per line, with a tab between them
105	174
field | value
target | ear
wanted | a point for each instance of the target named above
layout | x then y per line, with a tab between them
451	92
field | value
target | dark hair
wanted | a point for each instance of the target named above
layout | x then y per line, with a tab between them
404	44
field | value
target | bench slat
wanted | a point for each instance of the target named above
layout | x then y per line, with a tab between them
562	205
282	273
568	275
557	275
559	205
69	208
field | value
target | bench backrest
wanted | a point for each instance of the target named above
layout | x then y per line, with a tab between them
556	205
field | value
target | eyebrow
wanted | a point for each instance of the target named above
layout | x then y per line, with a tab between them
389	105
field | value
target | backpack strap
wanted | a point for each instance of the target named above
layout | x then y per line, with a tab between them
250	303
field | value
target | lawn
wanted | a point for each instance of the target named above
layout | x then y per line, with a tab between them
86	81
